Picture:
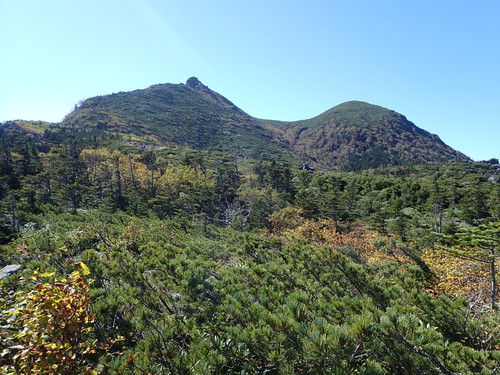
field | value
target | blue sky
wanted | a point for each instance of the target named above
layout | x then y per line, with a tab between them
435	61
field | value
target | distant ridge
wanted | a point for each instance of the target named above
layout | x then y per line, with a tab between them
350	136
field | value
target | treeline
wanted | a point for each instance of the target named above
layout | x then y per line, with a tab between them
78	170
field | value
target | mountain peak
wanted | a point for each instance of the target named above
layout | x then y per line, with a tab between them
194	83
356	135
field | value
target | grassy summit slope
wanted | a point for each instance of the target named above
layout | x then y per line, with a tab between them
357	135
188	115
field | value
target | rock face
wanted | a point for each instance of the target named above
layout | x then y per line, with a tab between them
193	82
9	270
217	98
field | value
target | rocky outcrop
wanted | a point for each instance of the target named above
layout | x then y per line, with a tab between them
9	270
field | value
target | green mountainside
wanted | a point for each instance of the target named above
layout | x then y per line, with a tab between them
357	135
188	115
350	136
31	129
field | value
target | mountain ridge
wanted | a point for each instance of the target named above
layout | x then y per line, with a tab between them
358	135
353	135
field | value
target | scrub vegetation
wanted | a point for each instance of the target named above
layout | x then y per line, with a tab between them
146	256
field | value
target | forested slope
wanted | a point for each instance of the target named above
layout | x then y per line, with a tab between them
168	260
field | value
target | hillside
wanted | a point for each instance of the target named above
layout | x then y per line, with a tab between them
357	135
350	136
30	129
189	115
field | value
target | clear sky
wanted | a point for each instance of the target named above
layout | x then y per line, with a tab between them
435	61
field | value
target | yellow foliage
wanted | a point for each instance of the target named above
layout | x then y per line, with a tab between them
326	232
105	165
181	178
458	276
288	218
52	325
